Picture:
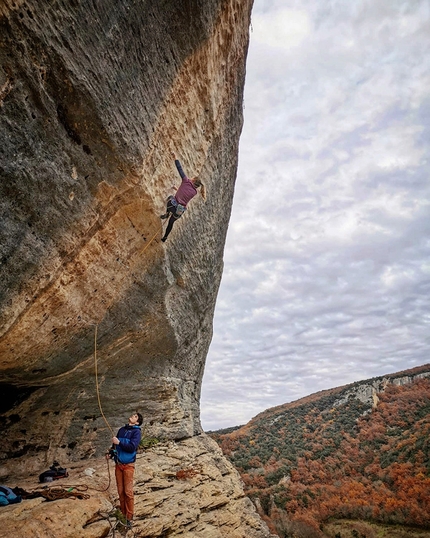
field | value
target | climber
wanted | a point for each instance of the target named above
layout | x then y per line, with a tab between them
177	204
123	451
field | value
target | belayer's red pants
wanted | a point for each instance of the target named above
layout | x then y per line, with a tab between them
124	473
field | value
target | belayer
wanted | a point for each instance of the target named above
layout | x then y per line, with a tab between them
176	205
123	451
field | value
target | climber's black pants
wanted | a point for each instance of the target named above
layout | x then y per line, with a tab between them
171	208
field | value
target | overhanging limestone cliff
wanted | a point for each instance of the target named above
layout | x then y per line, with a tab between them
93	97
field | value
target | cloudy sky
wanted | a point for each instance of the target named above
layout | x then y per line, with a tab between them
327	261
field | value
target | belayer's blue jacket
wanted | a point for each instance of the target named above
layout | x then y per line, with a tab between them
129	439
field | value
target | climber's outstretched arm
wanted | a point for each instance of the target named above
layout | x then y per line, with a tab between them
178	166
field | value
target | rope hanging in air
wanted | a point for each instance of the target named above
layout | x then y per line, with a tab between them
95	341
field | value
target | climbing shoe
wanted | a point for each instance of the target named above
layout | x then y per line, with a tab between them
163	239
164	216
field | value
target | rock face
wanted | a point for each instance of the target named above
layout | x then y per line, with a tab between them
367	391
94	95
182	489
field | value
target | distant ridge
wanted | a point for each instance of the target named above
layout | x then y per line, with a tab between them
412	372
360	451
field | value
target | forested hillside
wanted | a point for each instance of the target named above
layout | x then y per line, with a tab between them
330	456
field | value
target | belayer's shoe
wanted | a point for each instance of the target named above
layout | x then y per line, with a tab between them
164	216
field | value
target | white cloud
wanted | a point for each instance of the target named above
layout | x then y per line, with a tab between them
326	277
281	28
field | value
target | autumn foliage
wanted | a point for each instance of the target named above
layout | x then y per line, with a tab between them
320	460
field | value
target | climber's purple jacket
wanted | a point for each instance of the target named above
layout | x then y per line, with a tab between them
186	190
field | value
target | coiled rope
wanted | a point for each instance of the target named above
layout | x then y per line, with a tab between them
114	522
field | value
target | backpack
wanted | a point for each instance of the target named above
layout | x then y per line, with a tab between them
7	496
54	473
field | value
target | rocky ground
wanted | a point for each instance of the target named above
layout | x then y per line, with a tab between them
182	488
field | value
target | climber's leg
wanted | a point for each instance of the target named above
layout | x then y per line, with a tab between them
170	209
169	227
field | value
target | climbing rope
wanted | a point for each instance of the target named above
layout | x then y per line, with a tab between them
97	382
67	490
55	493
114	522
95	339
